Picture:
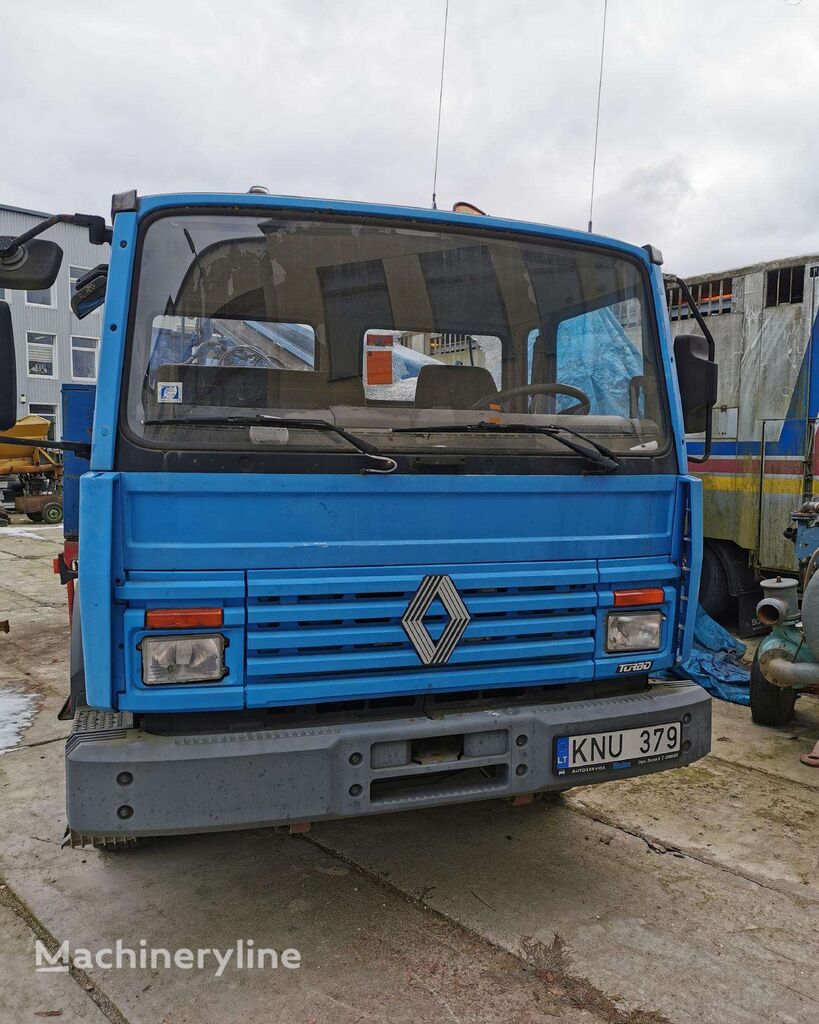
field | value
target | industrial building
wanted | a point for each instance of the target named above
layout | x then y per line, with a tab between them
53	346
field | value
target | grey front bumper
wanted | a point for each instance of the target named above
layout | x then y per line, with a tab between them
121	781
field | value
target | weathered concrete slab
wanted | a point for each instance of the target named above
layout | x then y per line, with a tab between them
698	942
738	740
734	815
368	953
26	995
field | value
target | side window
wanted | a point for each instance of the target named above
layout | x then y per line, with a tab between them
394	359
599	352
196	341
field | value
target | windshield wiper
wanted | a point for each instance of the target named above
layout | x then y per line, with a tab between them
603	458
362	446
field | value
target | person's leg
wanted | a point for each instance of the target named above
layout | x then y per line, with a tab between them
811	759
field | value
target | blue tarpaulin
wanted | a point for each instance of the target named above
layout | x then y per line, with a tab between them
715	661
595	354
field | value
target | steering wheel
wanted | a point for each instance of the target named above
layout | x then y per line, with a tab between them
250	355
581	409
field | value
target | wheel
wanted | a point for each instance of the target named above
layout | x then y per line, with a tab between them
52	512
715	597
35	517
770	705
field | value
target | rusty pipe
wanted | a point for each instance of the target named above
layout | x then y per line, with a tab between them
792	674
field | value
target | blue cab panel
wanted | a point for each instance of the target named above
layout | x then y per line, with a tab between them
316	572
78	423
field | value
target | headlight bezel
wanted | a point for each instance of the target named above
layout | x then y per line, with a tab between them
211	678
622	620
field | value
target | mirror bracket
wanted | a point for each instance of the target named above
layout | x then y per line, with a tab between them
709	338
98	232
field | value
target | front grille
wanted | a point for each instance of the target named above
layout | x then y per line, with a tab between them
530	623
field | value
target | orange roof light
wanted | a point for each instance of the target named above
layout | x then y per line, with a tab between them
630	598
182	618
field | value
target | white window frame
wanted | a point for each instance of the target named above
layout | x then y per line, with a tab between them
96	350
55	370
41	305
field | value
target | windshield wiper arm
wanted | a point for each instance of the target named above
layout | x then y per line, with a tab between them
362	446
602	457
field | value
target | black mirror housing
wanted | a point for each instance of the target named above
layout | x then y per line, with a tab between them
90	292
8	370
697	374
32	265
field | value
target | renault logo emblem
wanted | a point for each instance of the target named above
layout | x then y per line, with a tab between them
435	652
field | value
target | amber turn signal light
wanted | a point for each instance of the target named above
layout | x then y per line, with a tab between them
183	618
630	598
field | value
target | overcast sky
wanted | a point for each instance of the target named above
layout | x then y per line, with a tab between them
708	139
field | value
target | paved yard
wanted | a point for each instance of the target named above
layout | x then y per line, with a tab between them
688	897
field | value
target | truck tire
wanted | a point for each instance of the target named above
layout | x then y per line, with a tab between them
715	597
35	517
770	705
52	512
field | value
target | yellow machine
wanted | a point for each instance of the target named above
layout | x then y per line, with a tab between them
40	471
18	460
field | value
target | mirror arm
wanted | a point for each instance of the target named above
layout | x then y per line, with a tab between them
98	233
709	337
80	448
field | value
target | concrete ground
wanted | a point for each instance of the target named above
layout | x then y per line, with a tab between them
692	896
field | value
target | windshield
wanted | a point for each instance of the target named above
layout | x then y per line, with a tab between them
393	333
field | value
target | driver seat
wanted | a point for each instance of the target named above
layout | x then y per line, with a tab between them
453	387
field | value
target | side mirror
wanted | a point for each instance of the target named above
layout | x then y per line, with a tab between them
31	265
697	374
8	370
90	293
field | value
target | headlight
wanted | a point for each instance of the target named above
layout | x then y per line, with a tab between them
633	631
167	660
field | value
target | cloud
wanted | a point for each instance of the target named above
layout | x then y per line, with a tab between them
708	141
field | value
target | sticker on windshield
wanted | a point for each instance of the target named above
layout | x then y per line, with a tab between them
169	392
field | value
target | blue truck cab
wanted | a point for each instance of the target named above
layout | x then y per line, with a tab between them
385	508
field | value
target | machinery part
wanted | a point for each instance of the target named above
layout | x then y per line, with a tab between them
76	672
787	674
105	844
715	595
770	705
780	601
810	615
124	781
52	512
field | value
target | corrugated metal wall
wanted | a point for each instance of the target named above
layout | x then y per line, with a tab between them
57	319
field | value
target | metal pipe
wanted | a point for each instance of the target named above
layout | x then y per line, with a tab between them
795	674
772	611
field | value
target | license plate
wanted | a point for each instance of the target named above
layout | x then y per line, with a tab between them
623	748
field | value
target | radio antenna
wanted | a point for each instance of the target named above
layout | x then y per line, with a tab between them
440	104
597	118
